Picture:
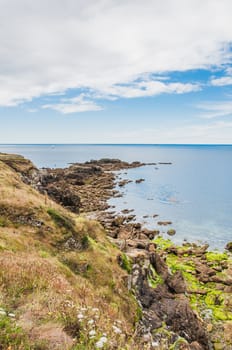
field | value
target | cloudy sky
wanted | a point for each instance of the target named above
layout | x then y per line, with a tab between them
116	71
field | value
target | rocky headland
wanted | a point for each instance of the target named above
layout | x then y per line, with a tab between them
183	292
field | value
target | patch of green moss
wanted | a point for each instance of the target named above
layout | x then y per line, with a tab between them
215	301
153	278
126	263
214	297
216	256
162	243
176	264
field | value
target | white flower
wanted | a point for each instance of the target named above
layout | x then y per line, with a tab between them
100	343
155	343
92	333
90	321
80	316
116	330
11	315
2	312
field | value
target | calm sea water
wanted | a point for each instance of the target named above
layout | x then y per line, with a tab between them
194	192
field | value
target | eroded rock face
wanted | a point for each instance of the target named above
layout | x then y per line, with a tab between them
82	186
168	304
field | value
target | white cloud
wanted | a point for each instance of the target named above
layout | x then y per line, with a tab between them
47	47
227	80
216	109
85	101
74	105
147	88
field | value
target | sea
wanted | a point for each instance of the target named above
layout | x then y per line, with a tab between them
193	191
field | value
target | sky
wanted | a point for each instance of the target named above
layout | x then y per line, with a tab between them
116	71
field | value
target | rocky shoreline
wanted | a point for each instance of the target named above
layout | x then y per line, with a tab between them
184	291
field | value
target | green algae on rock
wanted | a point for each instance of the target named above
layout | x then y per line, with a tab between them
209	279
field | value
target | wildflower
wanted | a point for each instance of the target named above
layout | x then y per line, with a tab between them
92	333
80	316
100	343
155	344
116	330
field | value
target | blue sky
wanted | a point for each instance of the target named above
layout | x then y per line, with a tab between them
111	71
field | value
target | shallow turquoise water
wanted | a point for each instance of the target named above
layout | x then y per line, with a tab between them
194	192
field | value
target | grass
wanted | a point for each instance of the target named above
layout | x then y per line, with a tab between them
46	283
61	220
12	336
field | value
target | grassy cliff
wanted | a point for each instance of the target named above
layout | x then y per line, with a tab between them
60	283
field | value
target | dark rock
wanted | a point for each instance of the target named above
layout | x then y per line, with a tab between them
159	265
164	223
141	245
176	283
171	232
130	217
229	246
139	181
66	196
137	225
123	183
127	211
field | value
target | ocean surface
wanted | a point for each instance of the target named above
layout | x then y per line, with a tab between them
194	192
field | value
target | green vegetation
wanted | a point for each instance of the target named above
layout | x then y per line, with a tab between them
125	263
61	220
54	266
162	243
154	279
216	256
12	335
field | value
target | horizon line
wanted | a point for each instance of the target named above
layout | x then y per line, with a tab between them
116	144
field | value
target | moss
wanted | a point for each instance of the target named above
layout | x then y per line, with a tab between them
139	314
125	263
162	243
154	279
216	256
176	264
214	297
